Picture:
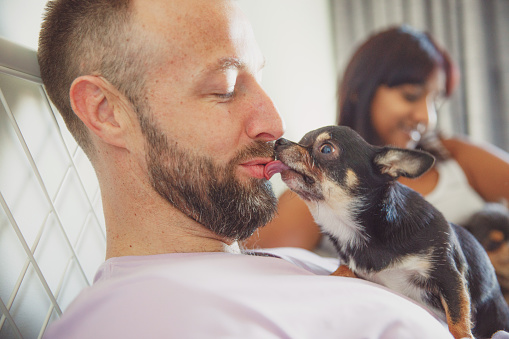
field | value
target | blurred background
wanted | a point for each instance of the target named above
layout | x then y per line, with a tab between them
308	43
51	227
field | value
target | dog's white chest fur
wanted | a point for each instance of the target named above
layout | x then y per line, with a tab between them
335	215
399	276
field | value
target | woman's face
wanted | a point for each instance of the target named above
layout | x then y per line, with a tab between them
402	114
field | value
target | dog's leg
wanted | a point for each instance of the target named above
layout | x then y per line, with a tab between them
344	271
456	303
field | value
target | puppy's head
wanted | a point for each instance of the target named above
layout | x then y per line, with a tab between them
334	161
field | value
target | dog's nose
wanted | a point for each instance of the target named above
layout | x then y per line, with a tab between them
282	142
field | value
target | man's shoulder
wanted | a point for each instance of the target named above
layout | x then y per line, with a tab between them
302	258
186	265
284	290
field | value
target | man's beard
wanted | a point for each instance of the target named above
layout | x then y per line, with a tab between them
208	193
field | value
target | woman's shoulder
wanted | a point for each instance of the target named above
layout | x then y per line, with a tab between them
463	148
459	145
485	165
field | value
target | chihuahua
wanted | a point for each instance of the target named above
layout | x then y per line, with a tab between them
490	226
387	233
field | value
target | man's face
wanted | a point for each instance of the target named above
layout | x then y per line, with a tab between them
209	120
207	192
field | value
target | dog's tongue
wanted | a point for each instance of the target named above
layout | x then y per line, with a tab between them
274	167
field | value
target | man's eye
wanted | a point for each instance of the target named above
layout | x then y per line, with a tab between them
227	95
326	149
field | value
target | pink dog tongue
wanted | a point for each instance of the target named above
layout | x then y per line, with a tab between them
274	167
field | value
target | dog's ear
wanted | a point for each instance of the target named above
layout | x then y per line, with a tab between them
398	162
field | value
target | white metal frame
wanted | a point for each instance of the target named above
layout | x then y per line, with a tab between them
20	64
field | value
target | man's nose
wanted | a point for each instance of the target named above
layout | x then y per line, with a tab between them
265	122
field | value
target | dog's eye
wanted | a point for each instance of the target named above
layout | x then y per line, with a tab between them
326	149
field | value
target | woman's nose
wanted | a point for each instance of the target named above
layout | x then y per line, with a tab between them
422	109
430	116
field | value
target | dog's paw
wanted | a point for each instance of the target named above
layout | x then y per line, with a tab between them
344	271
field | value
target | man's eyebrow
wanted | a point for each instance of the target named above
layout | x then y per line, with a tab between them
225	64
230	62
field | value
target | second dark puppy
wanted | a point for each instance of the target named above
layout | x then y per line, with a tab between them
387	233
490	226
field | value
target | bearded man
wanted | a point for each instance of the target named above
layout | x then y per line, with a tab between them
165	98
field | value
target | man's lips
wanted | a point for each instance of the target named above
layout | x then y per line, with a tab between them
274	167
256	167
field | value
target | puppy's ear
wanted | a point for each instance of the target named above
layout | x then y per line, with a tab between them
398	162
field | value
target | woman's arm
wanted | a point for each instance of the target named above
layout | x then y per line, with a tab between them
486	167
293	226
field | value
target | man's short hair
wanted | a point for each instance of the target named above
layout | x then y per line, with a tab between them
90	37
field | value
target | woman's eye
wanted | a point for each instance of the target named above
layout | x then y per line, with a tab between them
411	97
412	92
326	149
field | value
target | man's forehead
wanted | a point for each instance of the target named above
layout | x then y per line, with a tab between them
179	14
208	36
191	24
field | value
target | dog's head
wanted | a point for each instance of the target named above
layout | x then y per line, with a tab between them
336	161
339	176
490	226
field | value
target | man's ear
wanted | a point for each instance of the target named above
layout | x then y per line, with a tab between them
398	162
93	100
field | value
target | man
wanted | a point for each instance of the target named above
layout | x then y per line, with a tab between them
164	97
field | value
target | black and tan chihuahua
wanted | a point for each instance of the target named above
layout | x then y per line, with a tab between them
387	233
490	226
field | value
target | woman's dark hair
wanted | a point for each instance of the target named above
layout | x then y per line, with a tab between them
396	56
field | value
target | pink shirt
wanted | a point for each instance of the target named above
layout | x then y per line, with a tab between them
222	295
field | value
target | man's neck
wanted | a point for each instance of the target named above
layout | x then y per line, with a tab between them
118	246
140	222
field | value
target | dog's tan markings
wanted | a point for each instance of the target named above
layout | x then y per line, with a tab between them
351	179
308	161
325	136
500	260
344	271
496	236
303	162
462	327
295	157
317	174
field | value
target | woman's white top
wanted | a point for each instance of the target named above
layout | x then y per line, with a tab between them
453	196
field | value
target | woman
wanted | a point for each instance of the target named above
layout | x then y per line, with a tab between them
390	93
